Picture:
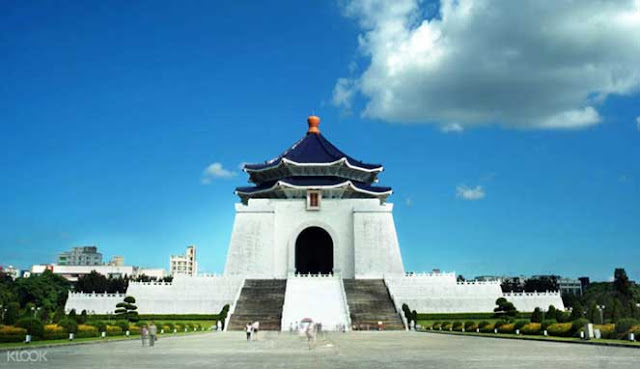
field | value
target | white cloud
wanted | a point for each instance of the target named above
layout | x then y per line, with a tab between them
216	170
638	123
408	201
452	128
466	193
525	64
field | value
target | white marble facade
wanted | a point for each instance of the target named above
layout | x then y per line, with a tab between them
365	244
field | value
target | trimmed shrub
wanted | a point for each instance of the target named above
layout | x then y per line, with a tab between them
457	326
446	326
507	328
100	326
606	330
579	324
520	323
443	316
546	323
436	325
499	323
54	332
134	329
560	329
531	329
33	326
625	325
69	325
12	334
140	323
85	331
170	325
470	326
123	324
113	330
487	328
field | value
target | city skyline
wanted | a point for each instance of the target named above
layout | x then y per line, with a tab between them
131	139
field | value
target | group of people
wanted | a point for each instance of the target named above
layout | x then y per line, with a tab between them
252	331
150	332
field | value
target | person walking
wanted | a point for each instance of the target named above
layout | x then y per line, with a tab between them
309	332
153	332
249	329
144	332
256	327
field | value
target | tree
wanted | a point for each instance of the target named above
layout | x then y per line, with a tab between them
541	284
13	313
505	310
46	290
127	309
537	315
551	313
621	282
92	282
460	278
577	312
82	319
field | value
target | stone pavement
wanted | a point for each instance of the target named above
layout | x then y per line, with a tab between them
349	350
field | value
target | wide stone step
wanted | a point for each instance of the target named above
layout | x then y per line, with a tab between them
260	300
369	303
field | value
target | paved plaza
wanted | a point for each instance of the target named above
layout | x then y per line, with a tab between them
349	350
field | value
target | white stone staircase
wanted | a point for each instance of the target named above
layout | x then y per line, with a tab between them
320	298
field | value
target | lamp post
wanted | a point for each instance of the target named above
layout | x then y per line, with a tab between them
601	309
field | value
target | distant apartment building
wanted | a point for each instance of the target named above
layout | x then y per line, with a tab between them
584	282
84	255
116	261
184	264
570	286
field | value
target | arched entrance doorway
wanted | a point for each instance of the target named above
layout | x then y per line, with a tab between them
314	251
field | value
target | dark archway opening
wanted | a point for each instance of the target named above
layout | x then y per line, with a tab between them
314	251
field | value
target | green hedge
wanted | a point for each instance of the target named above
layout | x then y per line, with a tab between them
156	317
560	330
507	328
464	316
532	329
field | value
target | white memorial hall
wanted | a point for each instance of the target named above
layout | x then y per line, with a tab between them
314	237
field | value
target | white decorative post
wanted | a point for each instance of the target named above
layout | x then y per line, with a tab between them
104	334
71	336
126	333
27	339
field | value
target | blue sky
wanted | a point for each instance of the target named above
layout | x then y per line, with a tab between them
514	154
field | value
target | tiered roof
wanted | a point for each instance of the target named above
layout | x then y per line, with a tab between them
313	163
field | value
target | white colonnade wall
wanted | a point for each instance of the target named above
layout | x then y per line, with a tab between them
320	298
441	293
185	295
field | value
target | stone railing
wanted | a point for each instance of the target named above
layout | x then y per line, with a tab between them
94	294
152	283
478	282
429	275
318	275
534	294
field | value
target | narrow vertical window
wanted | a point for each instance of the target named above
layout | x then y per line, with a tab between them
313	200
